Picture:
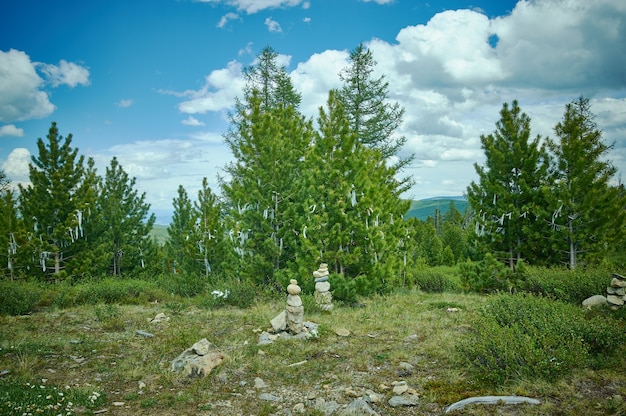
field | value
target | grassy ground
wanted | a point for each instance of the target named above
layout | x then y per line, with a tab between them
94	355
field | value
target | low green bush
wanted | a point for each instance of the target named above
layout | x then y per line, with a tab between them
527	337
183	284
19	297
572	286
436	280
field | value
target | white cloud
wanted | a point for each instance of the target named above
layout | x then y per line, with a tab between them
272	25
218	92
11	130
21	97
192	121
226	18
254	6
124	103
379	1
307	20
16	166
66	73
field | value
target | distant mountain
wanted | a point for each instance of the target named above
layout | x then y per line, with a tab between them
425	208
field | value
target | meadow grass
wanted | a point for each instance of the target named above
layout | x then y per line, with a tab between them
83	350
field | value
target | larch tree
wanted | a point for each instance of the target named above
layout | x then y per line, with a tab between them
508	199
588	212
127	221
53	203
372	117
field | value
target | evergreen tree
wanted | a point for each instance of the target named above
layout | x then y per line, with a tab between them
12	237
270	82
268	146
372	118
507	200
180	246
214	254
351	210
52	204
127	221
588	213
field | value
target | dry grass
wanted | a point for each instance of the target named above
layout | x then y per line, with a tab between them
97	348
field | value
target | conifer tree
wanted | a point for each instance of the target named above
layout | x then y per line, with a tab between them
52	204
373	119
180	245
507	200
127	221
588	212
12	237
213	254
352	212
269	146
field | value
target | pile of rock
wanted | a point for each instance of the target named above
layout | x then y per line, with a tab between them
198	360
616	292
323	297
290	322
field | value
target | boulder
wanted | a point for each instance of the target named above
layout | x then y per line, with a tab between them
595	300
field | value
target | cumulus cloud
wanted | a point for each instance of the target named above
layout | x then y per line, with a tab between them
218	93
11	130
272	25
21	97
16	165
66	73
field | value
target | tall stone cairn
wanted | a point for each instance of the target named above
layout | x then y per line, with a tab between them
294	310
616	292
323	297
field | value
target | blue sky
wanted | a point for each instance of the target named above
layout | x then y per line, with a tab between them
152	81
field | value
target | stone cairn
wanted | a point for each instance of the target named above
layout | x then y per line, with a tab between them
294	310
616	292
323	297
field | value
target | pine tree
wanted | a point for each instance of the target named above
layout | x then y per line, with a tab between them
269	146
126	217
12	236
588	212
350	210
180	246
213	254
52	204
507	200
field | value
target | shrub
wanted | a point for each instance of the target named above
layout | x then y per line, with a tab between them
183	284
517	336
344	290
18	297
572	286
435	280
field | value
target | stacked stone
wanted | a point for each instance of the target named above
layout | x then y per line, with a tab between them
323	297
616	292
295	310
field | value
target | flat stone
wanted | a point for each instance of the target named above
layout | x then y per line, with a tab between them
342	332
322	286
615	300
269	397
202	347
404	400
321	279
615	282
400	387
